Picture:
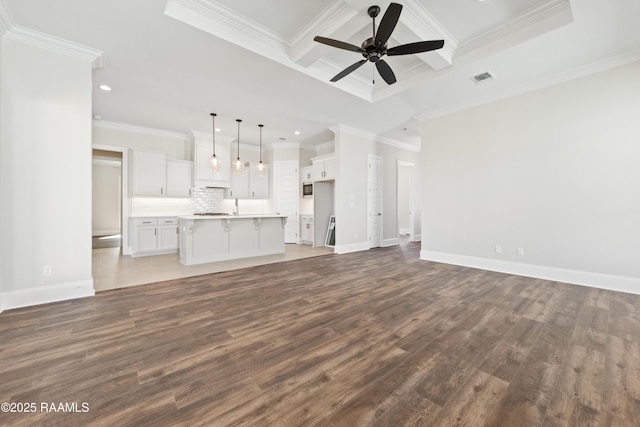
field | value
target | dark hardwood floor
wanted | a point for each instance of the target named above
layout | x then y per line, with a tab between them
372	338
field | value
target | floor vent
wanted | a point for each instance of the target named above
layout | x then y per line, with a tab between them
483	77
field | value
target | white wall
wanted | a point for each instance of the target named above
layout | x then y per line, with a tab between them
554	171
45	175
351	151
176	146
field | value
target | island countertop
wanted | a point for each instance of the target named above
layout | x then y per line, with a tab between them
247	216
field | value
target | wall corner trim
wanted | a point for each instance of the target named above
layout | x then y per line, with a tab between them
576	277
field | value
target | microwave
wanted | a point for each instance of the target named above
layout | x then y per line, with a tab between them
307	189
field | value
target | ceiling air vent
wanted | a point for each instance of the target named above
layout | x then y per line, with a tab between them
483	77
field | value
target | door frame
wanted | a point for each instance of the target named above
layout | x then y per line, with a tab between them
412	202
378	244
124	203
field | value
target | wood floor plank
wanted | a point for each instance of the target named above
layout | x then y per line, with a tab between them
473	404
369	338
577	399
621	390
511	352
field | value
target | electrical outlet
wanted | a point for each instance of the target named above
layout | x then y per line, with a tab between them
498	249
47	270
520	251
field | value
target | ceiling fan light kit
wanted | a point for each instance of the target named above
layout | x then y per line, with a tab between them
374	48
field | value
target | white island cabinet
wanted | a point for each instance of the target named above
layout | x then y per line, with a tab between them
219	238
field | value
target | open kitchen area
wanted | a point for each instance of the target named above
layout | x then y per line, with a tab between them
200	203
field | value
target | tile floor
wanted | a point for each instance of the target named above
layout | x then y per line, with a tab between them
112	270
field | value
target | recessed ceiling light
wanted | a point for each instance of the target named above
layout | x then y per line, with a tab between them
218	129
297	132
105	88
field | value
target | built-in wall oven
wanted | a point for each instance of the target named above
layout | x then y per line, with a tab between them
307	189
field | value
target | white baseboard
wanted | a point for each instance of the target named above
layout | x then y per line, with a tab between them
576	277
354	247
390	242
418	238
46	294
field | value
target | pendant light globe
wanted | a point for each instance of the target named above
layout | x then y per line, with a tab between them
261	168
237	164
214	161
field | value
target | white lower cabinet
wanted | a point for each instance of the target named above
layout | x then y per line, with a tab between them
154	236
306	229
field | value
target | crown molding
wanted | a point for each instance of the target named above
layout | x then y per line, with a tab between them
531	19
375	138
222	22
582	71
332	18
54	44
6	19
123	127
225	23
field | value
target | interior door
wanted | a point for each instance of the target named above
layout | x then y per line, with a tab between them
374	201
285	184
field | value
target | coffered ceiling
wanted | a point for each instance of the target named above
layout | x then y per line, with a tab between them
171	62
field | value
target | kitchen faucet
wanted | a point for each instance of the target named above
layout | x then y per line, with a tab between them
236	211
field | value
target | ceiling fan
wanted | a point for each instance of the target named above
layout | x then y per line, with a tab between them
374	48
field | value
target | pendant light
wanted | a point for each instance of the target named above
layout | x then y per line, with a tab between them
237	163
214	162
261	167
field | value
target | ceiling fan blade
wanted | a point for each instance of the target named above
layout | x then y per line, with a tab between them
417	47
348	70
339	44
388	23
386	72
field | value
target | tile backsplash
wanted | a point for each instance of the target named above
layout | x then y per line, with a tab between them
202	200
207	200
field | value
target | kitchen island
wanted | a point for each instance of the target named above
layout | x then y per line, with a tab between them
206	239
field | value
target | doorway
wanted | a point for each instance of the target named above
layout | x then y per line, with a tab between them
109	198
106	199
406	201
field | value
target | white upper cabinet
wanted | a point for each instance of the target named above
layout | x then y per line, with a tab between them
179	175
306	174
323	168
258	184
149	174
203	175
154	176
